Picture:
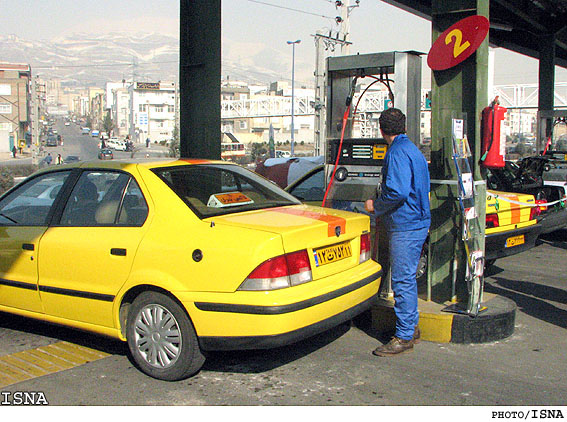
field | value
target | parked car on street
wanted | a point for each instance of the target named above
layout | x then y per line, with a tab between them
180	257
105	154
51	141
71	159
116	144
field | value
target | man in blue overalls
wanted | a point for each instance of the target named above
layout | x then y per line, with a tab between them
403	206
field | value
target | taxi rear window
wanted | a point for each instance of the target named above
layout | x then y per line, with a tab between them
218	189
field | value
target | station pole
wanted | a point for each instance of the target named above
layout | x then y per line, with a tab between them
461	91
199	79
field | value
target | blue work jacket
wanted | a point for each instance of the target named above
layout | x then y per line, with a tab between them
403	200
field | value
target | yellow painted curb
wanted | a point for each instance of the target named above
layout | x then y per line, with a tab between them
44	360
435	327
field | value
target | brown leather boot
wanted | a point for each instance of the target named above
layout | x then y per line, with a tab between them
394	347
416	335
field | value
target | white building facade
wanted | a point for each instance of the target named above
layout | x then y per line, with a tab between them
121	111
152	111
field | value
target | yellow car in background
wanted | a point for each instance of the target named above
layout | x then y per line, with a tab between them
180	257
511	224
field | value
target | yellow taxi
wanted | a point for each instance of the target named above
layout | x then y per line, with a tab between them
180	257
511	224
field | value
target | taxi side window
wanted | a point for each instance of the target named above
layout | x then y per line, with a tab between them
134	210
30	204
105	198
312	188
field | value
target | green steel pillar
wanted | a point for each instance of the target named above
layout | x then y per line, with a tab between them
546	82
199	78
458	92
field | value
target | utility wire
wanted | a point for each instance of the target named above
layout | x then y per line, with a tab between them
292	9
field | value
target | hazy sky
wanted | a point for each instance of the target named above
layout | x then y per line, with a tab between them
375	27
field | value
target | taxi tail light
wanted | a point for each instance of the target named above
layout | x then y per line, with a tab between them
537	210
365	249
280	272
492	221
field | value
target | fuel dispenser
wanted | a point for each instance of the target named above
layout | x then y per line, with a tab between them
353	165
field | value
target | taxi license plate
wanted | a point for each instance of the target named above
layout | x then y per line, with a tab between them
332	253
515	241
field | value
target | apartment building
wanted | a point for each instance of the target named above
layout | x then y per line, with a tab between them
152	111
14	104
121	111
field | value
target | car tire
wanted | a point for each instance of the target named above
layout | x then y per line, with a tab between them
161	338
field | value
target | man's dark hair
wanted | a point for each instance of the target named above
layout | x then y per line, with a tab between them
392	122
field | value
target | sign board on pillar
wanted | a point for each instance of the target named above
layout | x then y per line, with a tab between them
458	42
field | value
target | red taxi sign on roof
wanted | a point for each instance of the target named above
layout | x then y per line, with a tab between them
458	42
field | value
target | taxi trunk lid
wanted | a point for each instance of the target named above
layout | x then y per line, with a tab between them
514	209
331	237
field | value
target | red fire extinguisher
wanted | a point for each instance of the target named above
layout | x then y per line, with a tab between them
493	150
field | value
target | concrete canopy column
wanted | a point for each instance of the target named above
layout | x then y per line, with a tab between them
458	92
199	78
546	83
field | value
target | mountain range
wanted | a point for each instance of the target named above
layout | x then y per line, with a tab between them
81	60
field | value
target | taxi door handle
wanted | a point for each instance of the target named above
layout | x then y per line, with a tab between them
28	246
118	251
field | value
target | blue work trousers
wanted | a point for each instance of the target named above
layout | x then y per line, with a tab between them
405	250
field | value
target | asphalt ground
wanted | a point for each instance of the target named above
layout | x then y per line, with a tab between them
337	368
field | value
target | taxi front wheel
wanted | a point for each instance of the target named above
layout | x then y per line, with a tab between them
161	338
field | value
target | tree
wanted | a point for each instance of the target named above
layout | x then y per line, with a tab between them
174	143
107	123
259	149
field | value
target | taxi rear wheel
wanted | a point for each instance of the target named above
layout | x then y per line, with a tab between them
161	338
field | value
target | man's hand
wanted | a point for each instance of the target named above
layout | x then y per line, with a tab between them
369	205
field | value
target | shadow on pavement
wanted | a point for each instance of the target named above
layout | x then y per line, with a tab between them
57	332
557	239
531	298
258	361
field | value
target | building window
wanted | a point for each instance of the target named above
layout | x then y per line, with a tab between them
5	108
159	109
170	109
142	107
5	89
243	124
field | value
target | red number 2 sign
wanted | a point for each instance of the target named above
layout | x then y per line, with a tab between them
458	42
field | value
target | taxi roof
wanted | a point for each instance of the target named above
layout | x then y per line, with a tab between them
124	164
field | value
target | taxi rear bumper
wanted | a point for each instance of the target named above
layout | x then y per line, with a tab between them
278	340
495	244
284	324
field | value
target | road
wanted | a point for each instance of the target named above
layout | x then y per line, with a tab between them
84	146
337	367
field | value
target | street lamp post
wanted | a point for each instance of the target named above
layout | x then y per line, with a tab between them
293	92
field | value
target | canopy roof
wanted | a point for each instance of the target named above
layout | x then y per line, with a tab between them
516	25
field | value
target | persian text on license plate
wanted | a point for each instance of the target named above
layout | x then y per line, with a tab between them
515	241
332	253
